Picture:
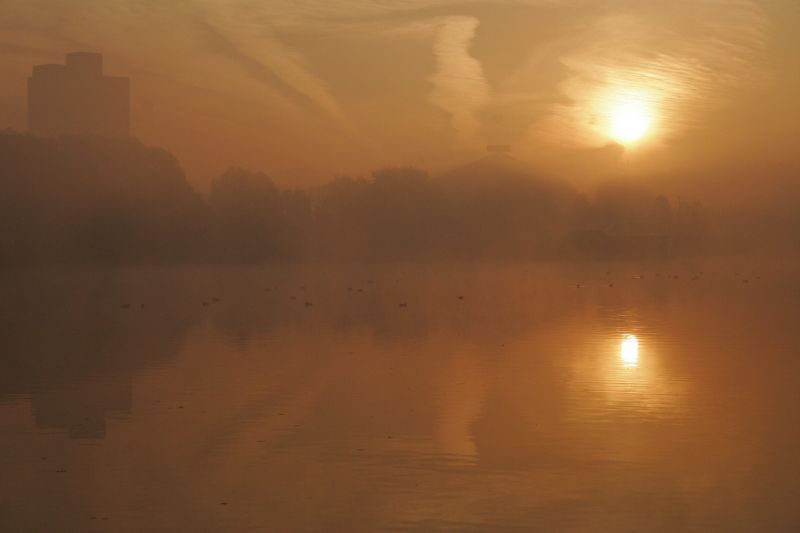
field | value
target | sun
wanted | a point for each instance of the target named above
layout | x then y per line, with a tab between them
630	120
629	350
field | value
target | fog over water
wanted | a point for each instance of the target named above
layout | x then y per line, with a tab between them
405	397
408	265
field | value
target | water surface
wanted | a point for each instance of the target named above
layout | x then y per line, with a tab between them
401	398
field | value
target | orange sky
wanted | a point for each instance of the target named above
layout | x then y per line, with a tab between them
306	89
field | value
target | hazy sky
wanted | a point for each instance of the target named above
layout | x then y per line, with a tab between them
305	89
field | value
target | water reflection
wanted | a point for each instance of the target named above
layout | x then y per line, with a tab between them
72	341
449	414
629	351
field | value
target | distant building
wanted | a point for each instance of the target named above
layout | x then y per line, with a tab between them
76	98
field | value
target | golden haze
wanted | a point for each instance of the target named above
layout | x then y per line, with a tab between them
307	89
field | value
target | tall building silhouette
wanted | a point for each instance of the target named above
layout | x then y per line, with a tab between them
76	98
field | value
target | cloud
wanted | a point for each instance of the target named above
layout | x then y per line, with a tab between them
243	32
290	74
459	85
670	54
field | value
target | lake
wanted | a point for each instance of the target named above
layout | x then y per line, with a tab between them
547	397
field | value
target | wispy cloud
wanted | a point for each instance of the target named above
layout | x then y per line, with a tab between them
244	33
459	85
323	70
685	58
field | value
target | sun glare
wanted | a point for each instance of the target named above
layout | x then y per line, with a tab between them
630	120
629	350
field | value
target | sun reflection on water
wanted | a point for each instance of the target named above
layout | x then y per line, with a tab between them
629	350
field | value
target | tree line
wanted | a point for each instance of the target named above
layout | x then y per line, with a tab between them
94	199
